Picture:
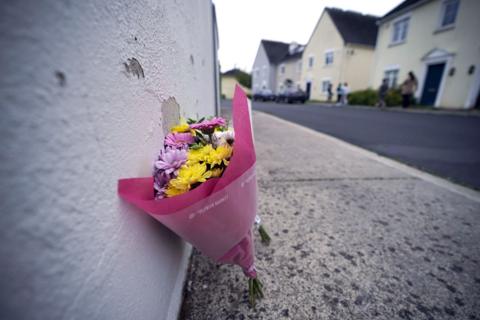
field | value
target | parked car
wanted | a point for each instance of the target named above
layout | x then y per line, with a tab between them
292	96
264	95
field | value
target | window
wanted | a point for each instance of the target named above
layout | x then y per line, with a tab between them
449	13
328	58
325	84
282	69
400	29
299	66
264	73
310	62
392	77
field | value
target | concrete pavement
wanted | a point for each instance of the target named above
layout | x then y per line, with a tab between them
354	236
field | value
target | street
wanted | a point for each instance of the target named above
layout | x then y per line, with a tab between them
445	145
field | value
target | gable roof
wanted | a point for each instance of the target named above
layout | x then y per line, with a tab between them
275	50
279	51
402	7
355	27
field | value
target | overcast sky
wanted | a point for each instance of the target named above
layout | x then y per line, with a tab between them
243	23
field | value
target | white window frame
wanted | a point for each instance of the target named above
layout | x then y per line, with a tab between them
324	89
390	69
443	10
406	18
311	58
328	52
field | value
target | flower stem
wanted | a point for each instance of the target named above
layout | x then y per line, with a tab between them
264	235
255	290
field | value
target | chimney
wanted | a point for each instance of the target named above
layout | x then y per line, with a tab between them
292	47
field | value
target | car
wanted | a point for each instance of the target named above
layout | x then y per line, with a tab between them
264	95
292	96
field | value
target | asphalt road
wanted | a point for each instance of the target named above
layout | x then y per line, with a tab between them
443	144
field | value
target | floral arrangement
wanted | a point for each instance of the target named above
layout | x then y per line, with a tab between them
194	151
204	189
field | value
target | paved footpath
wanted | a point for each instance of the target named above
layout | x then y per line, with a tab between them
355	236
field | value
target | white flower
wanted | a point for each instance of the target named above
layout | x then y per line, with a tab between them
223	137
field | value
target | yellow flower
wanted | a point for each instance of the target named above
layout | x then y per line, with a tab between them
188	175
182	127
172	191
216	172
199	155
220	155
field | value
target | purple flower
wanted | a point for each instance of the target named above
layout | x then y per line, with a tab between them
166	167
160	182
179	140
209	124
170	160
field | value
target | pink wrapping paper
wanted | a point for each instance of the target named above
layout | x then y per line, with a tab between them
217	216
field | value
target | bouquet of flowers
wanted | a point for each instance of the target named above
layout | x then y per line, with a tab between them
204	188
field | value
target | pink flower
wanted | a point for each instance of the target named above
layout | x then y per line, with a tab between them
179	140
209	124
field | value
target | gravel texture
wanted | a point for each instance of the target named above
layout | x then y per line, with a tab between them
352	238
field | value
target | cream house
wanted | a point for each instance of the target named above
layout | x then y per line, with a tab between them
228	83
340	49
289	70
438	40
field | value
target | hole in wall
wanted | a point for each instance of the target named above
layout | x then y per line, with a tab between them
61	78
133	67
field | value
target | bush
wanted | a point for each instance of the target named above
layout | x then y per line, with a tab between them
393	98
245	79
368	97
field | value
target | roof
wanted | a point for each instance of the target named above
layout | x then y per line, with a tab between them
232	72
401	7
279	51
296	54
275	50
355	27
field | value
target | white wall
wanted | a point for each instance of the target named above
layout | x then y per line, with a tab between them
73	121
266	72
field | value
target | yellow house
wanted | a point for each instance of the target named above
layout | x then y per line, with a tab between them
340	49
438	41
228	82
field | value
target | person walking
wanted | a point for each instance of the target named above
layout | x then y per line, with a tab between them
339	93
345	92
382	93
329	92
408	88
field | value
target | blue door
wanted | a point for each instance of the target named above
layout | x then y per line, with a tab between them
432	84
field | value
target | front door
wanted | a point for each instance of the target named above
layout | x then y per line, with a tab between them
308	88
432	84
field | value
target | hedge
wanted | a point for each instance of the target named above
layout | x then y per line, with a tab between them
369	97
